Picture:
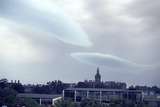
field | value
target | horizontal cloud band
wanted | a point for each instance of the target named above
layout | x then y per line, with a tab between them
107	60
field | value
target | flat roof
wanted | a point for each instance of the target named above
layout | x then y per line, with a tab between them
32	95
102	89
152	99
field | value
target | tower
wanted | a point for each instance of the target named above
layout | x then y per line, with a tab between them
97	77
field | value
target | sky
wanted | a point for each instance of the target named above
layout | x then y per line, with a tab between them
67	40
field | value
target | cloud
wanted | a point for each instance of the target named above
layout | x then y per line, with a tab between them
125	28
42	16
107	60
116	29
16	48
147	11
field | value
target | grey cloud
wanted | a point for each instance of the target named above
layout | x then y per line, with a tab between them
106	60
148	12
42	18
121	33
115	33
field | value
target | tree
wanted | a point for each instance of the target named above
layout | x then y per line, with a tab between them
18	87
63	103
3	83
27	102
7	97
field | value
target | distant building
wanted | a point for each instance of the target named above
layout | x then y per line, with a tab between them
28	88
69	85
42	99
151	100
98	83
102	95
103	92
114	85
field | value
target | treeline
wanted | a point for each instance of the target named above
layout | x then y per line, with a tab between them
54	87
106	85
57	86
9	91
8	95
93	103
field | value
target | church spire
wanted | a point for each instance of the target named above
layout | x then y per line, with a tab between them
97	76
97	70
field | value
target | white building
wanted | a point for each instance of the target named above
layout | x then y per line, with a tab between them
46	99
102	95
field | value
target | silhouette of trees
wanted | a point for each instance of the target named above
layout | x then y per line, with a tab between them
18	87
8	95
3	83
54	87
107	85
27	102
94	103
65	103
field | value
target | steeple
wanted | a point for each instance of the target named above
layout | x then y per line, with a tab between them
98	76
98	70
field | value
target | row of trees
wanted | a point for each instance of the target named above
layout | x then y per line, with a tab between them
54	87
8	95
93	103
15	86
109	84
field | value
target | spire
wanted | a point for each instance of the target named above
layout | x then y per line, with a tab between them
97	76
97	70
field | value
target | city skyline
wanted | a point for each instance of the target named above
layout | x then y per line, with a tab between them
97	79
67	40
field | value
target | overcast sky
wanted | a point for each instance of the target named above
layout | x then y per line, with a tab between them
47	40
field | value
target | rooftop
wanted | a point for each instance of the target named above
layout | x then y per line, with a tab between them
102	89
45	96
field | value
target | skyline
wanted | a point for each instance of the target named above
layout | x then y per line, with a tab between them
117	35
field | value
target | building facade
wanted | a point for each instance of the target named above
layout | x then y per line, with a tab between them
102	95
42	99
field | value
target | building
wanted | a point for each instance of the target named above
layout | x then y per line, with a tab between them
28	88
97	77
98	83
42	99
102	95
114	85
152	100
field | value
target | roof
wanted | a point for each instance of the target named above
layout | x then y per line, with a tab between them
45	96
151	98
102	89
